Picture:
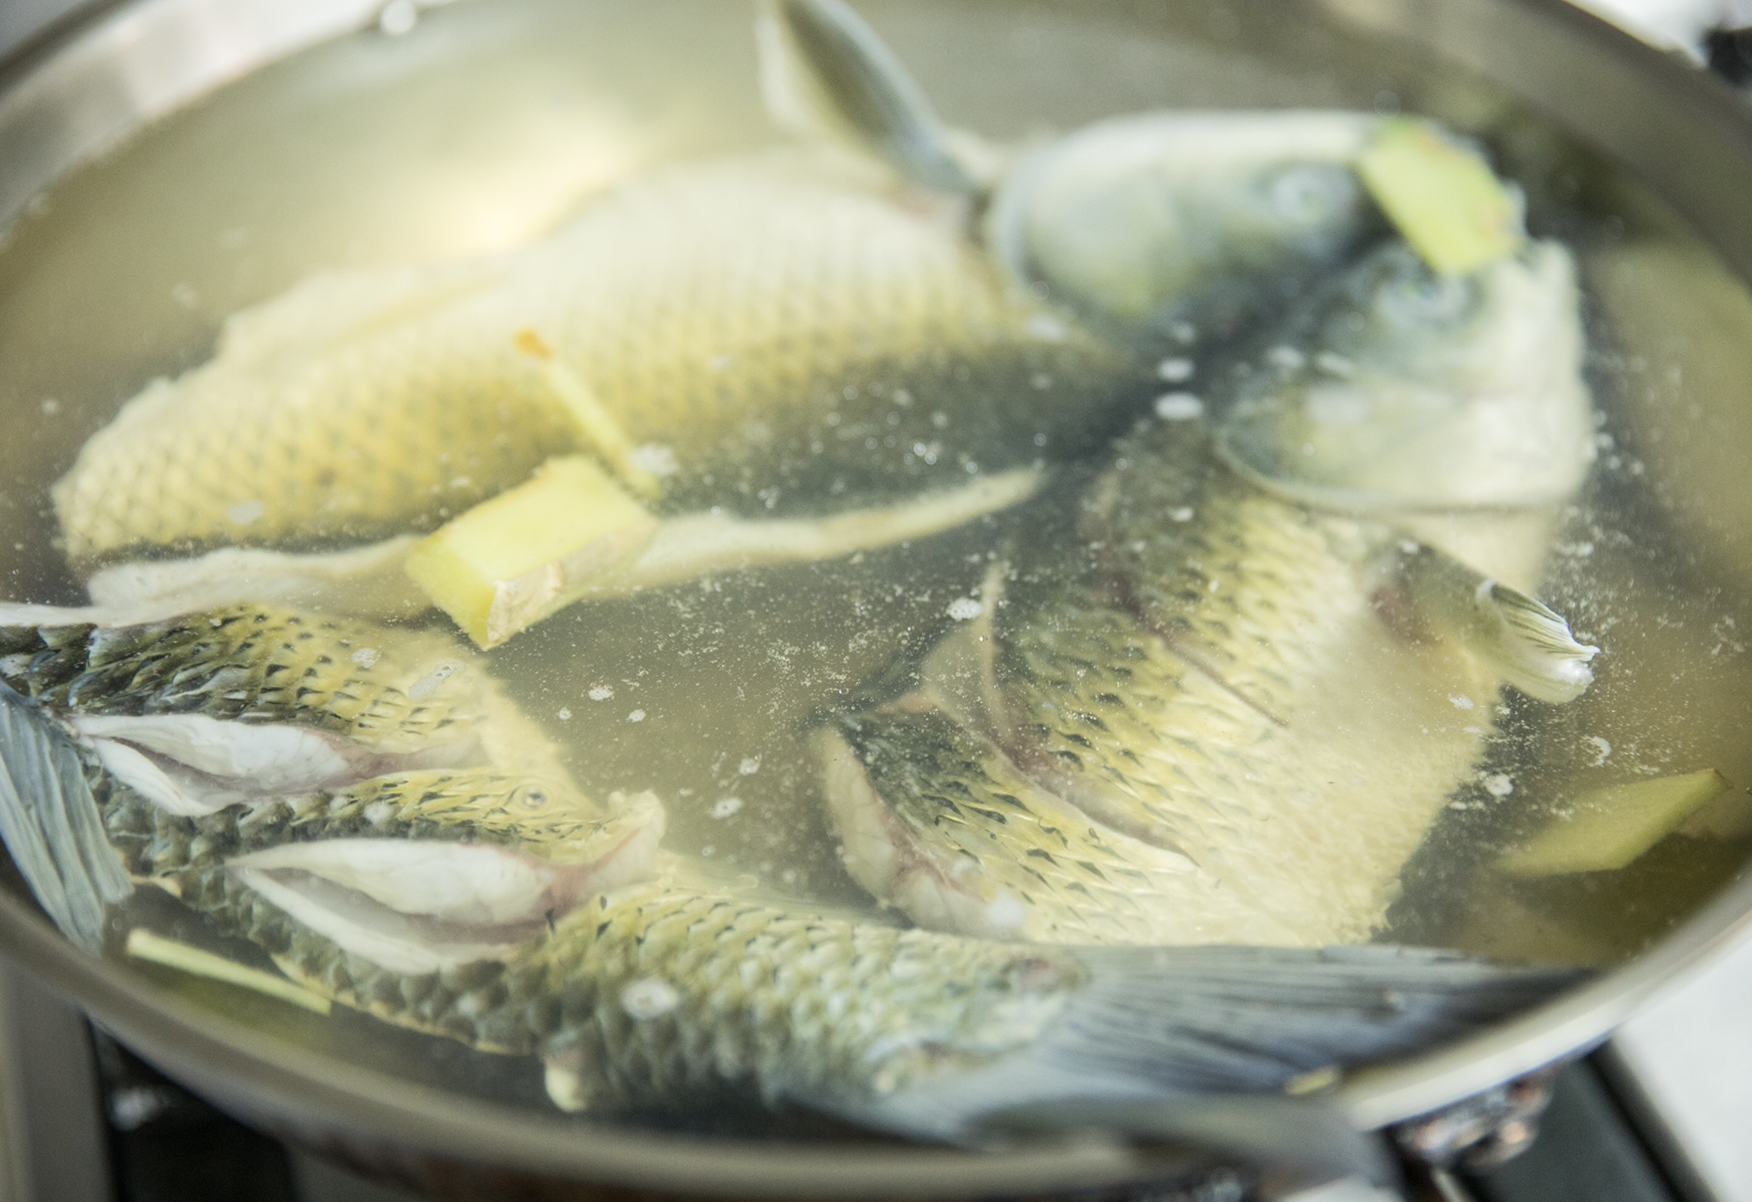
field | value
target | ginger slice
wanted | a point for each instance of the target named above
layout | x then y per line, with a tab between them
1610	827
1441	196
511	561
156	949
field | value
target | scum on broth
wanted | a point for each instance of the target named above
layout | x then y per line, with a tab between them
473	133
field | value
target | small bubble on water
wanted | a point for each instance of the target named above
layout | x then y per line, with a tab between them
398	17
245	513
366	656
749	765
965	609
1183	332
565	714
649	997
1602	750
1041	381
1286	357
1175	371
1183	514
1498	784
636	716
51	406
600	692
1462	701
726	806
1178	407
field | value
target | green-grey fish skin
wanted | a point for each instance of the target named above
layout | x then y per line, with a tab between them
1236	677
389	692
967	841
673	991
669	995
564	847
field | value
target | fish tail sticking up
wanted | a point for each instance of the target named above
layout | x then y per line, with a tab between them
1526	642
49	821
825	74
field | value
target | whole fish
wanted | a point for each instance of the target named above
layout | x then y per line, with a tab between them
1235	715
201	710
764	324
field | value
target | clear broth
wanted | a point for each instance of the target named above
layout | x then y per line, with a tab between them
490	122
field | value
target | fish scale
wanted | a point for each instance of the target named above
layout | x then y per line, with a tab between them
388	690
1244	656
960	794
916	1001
749	315
1264	731
1267	728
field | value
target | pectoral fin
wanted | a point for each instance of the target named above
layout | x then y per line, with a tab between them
1526	642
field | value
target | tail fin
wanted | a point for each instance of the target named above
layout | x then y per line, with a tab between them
50	823
824	73
1252	1019
1163	1043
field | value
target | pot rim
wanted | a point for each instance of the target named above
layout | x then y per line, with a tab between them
73	94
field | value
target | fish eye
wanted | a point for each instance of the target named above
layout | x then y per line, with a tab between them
1307	194
530	797
1419	297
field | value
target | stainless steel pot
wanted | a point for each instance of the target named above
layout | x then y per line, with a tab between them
67	103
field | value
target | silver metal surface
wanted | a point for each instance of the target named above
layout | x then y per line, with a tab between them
139	62
1684	134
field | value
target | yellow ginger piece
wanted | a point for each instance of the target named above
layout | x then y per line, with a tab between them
1441	196
1610	827
596	425
156	949
511	561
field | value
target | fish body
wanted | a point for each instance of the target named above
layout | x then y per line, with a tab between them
762	323
670	994
251	701
1242	710
422	871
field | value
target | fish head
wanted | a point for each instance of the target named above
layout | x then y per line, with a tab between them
1161	221
1400	389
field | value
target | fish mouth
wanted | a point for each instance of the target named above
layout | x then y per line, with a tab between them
416	906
